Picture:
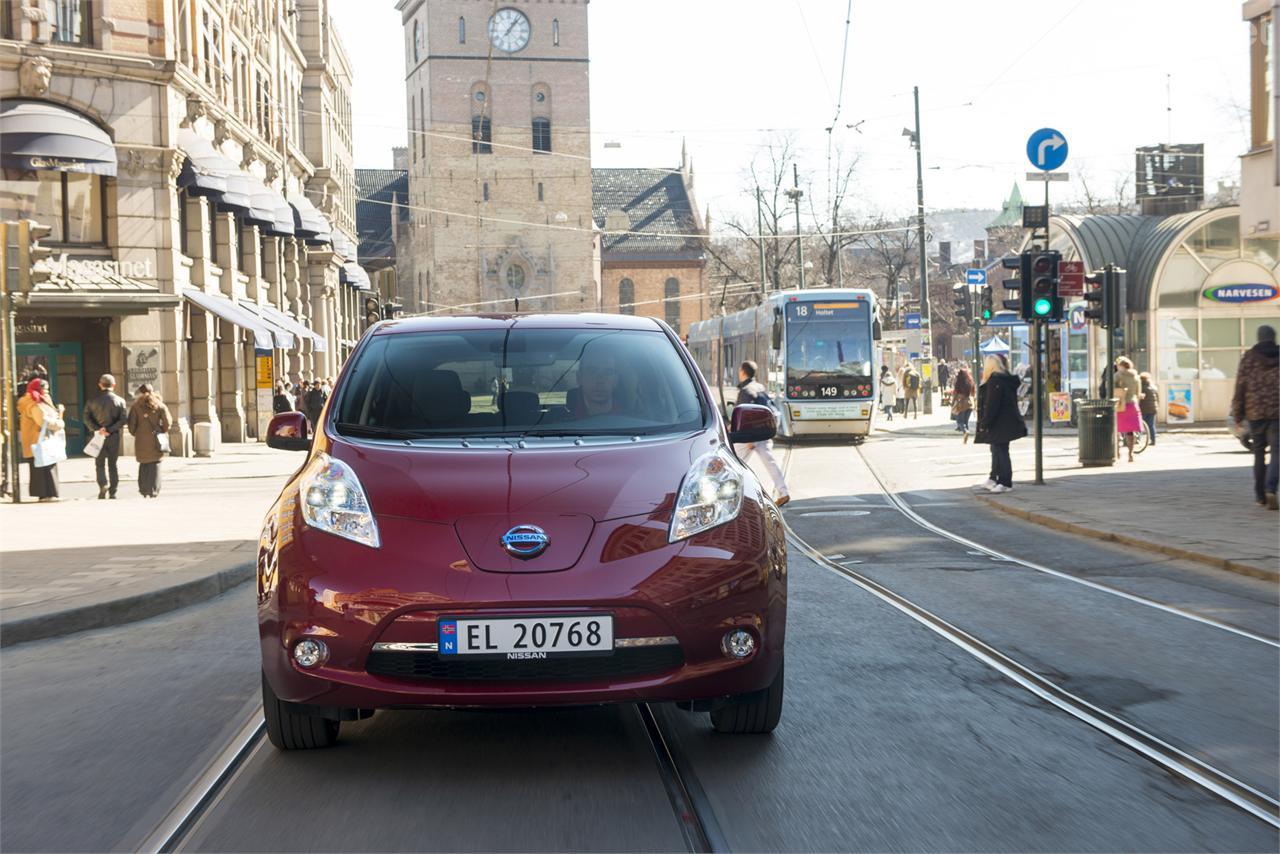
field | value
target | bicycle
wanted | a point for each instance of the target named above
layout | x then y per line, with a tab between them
1140	443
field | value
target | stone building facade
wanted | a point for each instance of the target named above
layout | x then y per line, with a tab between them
194	161
499	155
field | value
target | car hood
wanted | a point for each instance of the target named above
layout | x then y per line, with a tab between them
563	488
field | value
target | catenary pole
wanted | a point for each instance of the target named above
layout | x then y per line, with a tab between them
925	323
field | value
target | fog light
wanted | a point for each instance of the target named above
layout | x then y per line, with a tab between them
738	643
310	653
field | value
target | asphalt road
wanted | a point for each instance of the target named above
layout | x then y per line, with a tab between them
892	738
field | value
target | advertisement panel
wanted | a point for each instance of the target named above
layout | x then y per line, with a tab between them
1059	406
1180	403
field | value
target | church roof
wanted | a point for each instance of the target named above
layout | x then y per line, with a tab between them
1011	212
375	190
653	206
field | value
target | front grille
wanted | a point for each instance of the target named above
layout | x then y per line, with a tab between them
624	662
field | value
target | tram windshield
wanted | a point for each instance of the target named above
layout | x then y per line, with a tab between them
829	350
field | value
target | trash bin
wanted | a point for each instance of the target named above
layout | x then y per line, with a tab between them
1097	425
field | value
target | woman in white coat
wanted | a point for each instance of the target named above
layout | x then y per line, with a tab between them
888	391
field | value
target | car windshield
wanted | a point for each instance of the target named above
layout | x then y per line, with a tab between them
514	382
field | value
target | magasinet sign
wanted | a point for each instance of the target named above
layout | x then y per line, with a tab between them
1242	293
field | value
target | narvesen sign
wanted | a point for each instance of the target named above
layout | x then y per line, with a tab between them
1242	293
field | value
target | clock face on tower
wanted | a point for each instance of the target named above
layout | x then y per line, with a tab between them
509	30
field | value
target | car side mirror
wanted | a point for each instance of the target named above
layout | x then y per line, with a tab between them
288	432
751	422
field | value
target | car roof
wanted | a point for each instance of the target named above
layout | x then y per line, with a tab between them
472	322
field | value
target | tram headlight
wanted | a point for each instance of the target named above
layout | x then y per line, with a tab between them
710	495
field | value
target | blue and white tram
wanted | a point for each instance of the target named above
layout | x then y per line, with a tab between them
817	352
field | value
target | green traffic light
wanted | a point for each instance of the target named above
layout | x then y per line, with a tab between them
986	314
1042	307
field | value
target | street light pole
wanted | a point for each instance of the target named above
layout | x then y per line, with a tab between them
924	260
795	193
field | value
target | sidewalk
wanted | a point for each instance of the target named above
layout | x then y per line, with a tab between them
81	563
1188	496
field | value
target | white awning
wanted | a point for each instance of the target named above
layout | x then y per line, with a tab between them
266	335
297	327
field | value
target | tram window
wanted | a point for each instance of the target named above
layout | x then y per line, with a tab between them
777	329
876	330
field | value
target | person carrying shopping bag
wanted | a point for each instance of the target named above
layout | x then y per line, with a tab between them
149	424
1128	392
44	444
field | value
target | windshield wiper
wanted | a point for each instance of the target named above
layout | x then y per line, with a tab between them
376	432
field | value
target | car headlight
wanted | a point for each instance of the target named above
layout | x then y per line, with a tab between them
710	495
333	500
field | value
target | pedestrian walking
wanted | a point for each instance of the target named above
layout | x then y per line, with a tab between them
751	391
944	376
911	379
962	401
105	415
282	401
1147	403
888	392
999	421
149	424
37	415
1257	402
313	404
1128	392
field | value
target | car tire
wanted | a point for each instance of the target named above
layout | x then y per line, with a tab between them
755	713
288	730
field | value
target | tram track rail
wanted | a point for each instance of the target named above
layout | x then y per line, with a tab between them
1151	747
689	802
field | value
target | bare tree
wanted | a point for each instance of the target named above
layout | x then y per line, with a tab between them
833	227
886	253
1095	201
766	179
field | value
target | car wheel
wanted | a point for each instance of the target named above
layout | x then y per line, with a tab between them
289	730
751	713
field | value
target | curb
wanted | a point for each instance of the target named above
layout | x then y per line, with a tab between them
1123	539
125	609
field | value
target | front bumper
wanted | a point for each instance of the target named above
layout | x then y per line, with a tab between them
353	598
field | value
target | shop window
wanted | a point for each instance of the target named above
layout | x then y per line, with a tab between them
70	21
1219	364
626	297
70	203
1181	282
1251	325
1217	241
542	135
671	307
1220	332
1264	252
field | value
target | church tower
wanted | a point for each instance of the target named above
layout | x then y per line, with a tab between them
499	155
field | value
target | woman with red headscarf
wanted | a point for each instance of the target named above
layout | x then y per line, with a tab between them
36	411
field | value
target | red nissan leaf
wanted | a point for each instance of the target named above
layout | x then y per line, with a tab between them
517	511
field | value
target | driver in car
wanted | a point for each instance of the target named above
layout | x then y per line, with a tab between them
597	385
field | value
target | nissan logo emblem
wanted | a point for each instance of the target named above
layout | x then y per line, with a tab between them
525	541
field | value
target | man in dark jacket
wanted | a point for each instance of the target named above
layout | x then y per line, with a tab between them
999	421
1257	402
106	414
751	390
313	403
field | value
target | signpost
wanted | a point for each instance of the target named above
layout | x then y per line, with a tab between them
1047	150
975	277
912	320
1071	279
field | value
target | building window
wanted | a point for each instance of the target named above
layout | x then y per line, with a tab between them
542	135
481	135
462	30
422	120
486	191
540	191
1262	61
671	304
417	41
626	297
555	31
212	43
413	129
71	21
184	223
515	277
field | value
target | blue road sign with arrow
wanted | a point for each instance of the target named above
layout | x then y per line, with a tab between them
975	277
1047	149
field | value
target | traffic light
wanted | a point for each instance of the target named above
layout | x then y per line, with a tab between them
372	311
1045	302
390	310
1021	302
31	253
963	300
985	310
1096	303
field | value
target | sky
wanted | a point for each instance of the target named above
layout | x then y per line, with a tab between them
724	76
